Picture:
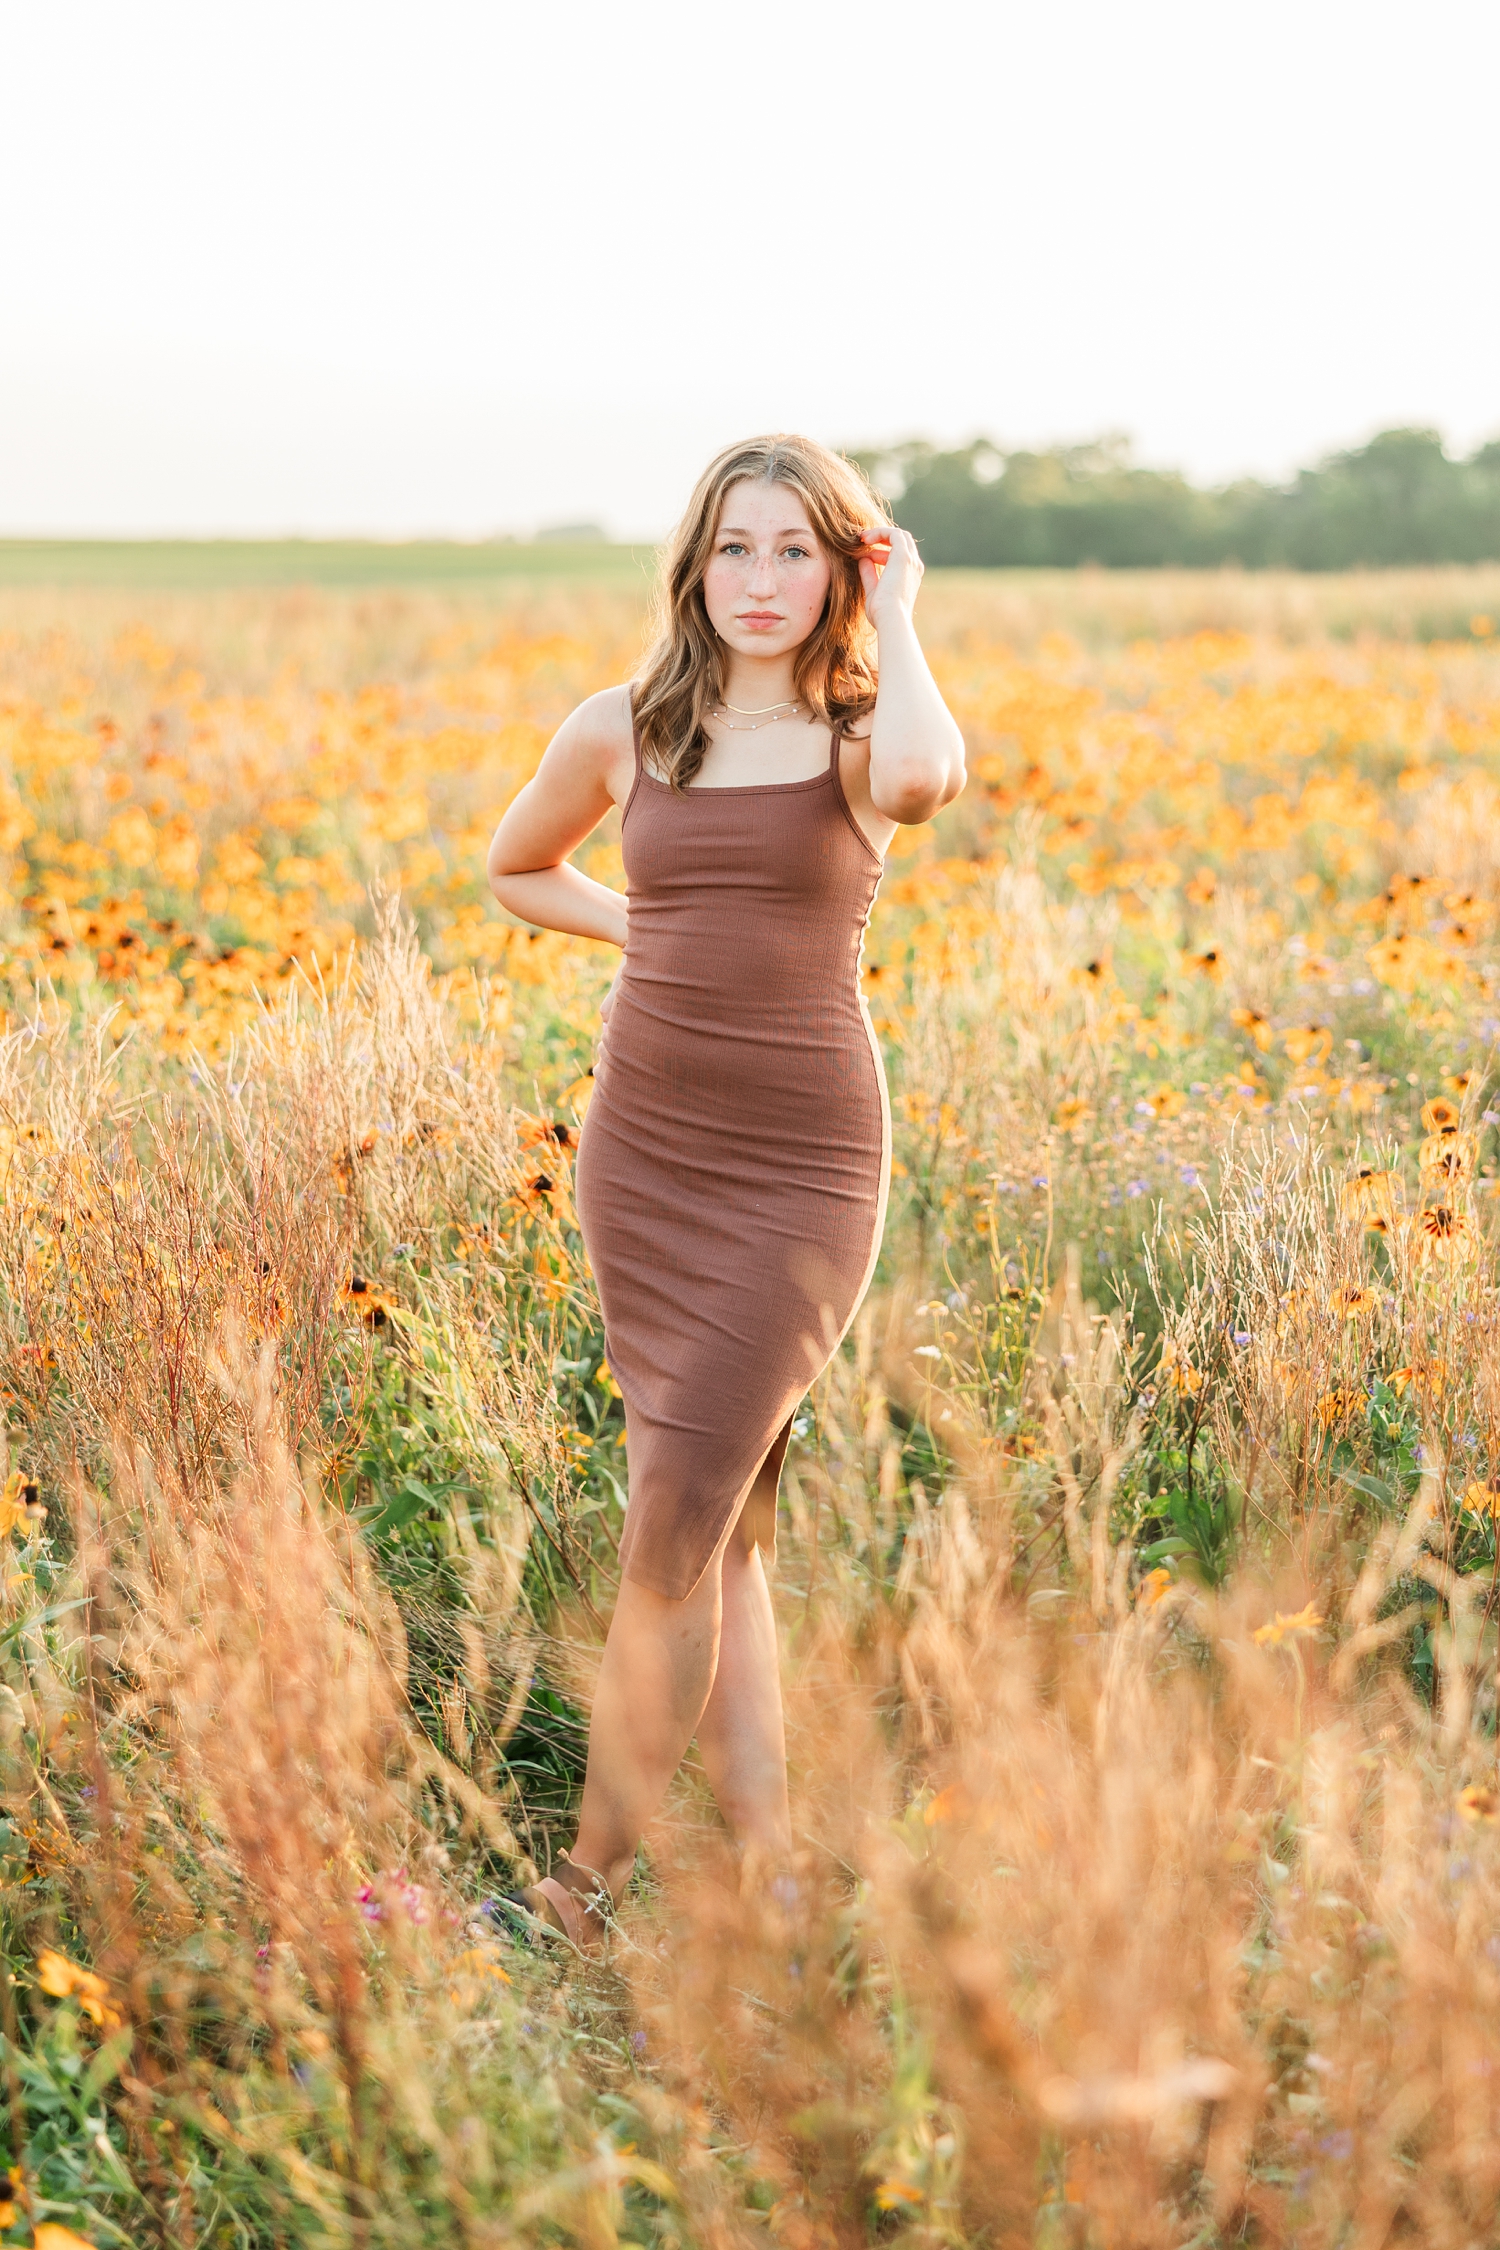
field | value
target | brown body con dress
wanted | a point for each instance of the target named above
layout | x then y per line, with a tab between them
732	1173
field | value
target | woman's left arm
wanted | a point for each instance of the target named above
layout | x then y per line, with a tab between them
916	749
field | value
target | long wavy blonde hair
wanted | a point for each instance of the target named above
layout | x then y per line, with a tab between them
683	676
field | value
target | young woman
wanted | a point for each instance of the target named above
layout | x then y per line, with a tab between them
732	1172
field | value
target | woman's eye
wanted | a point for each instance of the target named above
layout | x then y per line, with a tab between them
732	547
796	554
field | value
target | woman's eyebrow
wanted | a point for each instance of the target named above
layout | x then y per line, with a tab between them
735	531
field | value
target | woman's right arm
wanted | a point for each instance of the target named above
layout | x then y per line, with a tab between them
587	767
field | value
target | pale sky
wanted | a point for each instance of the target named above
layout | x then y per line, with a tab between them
462	266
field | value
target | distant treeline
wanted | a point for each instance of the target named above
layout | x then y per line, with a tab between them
1399	499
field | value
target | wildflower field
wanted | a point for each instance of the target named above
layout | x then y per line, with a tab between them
1139	1576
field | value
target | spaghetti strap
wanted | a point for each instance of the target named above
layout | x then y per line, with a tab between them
836	777
640	763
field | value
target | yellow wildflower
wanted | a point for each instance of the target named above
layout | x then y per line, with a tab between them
63	1979
20	1509
1257	1025
894	2194
1309	1042
1442	1232
1479	1804
1448	1156
1287	1627
371	1306
1371	1196
1440	1116
1178	1373
1350	1302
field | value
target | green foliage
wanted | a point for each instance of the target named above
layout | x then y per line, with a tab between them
60	2078
1398	499
1196	1516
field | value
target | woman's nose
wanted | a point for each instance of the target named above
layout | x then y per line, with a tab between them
762	575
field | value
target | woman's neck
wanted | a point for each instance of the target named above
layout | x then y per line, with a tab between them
754	683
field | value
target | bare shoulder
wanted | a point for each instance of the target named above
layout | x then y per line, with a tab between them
604	721
596	740
600	727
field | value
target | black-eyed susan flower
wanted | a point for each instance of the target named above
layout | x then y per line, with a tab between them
1442	1232
546	1132
1258	1026
1308	1042
1177	1373
1448	1156
1427	1381
371	1306
20	1505
1372	1196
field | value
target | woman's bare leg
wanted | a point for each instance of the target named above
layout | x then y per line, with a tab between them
659	1684
741	1735
654	1679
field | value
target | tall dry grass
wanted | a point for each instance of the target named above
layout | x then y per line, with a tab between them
1124	1912
1138	1583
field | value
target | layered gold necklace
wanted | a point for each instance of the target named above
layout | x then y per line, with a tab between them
766	716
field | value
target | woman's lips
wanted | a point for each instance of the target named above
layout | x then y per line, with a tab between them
760	617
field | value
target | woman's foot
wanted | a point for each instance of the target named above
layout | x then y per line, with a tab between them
573	1901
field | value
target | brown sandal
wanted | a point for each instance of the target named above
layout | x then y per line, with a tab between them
573	1901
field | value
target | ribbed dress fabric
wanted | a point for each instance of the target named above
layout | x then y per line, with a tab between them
734	1163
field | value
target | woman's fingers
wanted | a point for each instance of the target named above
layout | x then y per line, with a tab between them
886	542
890	565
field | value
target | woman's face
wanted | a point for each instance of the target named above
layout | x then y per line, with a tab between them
767	578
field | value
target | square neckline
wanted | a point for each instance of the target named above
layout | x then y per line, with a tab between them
745	788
